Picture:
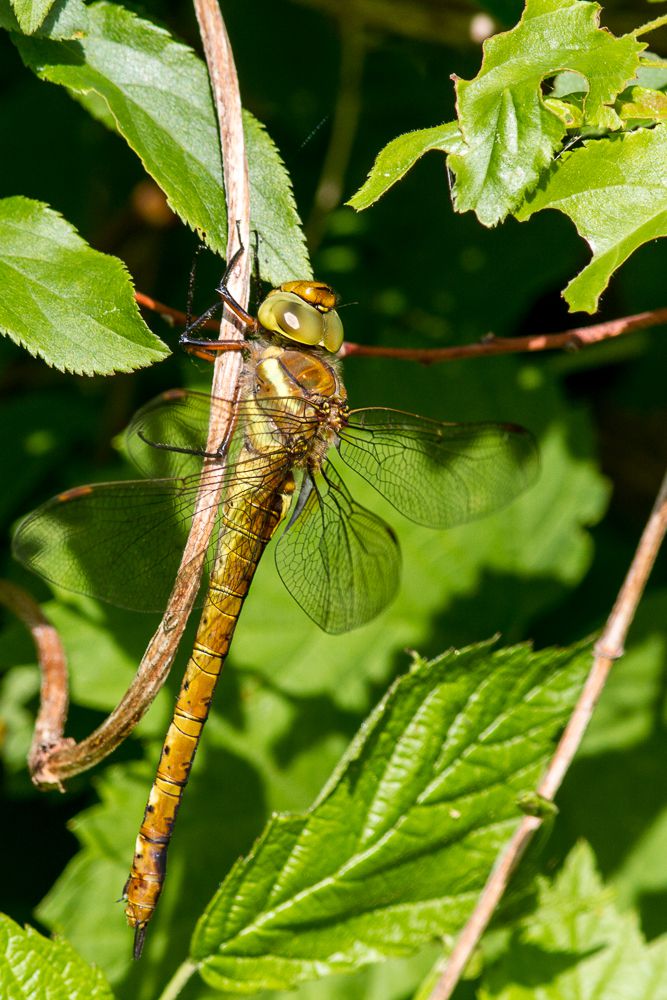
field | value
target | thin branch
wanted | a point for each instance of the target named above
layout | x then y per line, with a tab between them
66	760
53	697
345	123
577	337
607	650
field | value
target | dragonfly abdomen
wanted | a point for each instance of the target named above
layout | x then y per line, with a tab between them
239	551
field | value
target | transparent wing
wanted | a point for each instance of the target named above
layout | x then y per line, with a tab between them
439	474
168	436
119	542
339	561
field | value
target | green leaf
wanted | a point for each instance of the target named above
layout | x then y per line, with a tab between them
394	161
30	14
157	91
509	132
66	302
615	192
576	944
32	966
401	840
62	19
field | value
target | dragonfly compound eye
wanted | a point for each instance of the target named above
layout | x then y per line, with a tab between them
288	314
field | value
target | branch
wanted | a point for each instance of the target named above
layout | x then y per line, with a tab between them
608	649
577	337
54	695
65	759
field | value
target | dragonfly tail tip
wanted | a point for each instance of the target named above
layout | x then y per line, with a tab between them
139	938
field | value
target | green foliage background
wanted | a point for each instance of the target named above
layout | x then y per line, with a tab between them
546	570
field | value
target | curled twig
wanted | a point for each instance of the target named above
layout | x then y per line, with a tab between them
607	650
67	759
54	695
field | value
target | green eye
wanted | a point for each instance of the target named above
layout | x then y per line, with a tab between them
289	315
333	331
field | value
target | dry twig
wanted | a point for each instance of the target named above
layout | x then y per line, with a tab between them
65	759
607	650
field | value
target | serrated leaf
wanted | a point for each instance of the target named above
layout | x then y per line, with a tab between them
30	14
66	302
158	93
576	944
509	133
32	966
63	19
615	192
394	161
403	837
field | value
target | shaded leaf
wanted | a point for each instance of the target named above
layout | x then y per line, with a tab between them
509	133
66	302
404	835
615	192
32	966
576	944
157	91
394	161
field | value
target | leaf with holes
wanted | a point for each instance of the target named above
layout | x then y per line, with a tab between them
510	134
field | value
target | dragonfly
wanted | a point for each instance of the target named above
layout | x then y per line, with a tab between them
281	465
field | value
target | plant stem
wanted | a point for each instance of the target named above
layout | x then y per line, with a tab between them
183	973
607	650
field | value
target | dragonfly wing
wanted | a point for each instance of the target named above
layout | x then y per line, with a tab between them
168	436
339	561
439	474
119	542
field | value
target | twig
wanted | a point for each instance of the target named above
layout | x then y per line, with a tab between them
607	650
578	336
345	122
66	760
53	698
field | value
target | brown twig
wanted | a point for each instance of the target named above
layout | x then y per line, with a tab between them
344	126
578	336
54	695
607	650
66	760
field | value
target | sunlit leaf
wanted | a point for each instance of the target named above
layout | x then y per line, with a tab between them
577	944
32	966
157	91
394	161
615	192
66	302
509	133
47	18
405	833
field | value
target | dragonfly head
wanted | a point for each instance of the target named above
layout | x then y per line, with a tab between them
303	311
